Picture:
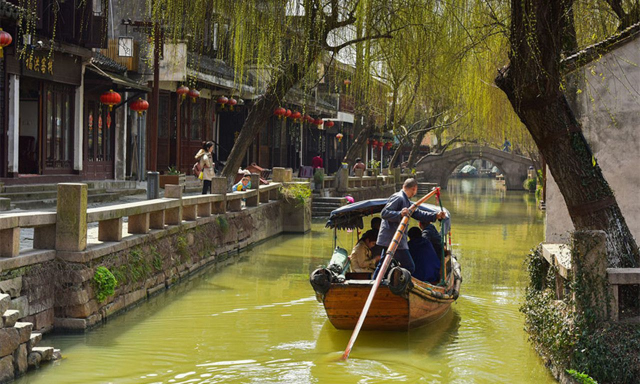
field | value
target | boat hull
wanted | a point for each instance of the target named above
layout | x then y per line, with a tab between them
343	303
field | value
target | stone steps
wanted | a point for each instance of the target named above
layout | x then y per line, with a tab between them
18	344
323	206
39	196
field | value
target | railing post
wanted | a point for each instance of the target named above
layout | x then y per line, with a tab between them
153	185
10	242
156	220
255	181
342	180
173	216
234	205
278	175
204	210
219	187
264	196
139	224
110	230
71	218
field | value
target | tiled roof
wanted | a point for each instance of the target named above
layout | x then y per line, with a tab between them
597	50
107	63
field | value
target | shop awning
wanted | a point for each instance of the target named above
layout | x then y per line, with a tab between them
121	80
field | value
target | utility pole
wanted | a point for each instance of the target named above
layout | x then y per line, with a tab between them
152	125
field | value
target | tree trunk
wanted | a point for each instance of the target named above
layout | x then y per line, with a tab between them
359	144
260	113
415	149
531	82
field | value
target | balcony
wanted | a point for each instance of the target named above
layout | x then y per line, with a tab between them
131	63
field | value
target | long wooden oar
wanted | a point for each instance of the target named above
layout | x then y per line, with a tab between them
387	260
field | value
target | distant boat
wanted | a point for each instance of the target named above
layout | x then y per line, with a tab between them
468	171
402	302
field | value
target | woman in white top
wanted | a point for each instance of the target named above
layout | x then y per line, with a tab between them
205	157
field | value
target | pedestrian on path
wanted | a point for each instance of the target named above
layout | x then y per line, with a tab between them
205	157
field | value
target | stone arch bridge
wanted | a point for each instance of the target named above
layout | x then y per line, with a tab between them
438	169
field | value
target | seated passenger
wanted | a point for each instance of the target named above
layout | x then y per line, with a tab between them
361	258
424	257
375	226
430	232
375	223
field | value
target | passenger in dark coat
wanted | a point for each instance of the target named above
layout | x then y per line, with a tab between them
396	208
430	232
424	256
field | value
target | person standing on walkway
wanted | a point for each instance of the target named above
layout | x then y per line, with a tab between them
205	157
317	162
396	208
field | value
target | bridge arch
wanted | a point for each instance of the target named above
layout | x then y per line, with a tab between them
438	169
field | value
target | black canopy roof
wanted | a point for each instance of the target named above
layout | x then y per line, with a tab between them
350	216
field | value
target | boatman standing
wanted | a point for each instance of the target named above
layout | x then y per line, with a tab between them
396	208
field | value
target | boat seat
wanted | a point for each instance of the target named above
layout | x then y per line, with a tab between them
358	276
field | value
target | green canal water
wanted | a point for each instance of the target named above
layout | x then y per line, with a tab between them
257	321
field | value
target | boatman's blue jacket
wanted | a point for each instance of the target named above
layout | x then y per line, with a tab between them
391	218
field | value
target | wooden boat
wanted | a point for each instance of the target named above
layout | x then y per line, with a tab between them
401	303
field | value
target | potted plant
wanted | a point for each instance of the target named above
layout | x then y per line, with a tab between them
172	176
318	178
374	167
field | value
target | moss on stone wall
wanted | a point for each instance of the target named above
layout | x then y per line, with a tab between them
570	333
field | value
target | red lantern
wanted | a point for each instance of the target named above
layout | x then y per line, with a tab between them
318	122
182	91
194	94
347	83
280	112
139	106
388	145
374	143
308	119
110	98
288	113
232	102
222	100
296	115
329	124
5	39
339	136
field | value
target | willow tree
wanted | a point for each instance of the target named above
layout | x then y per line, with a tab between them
282	39
532	82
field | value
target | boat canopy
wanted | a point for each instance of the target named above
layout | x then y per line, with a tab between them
350	216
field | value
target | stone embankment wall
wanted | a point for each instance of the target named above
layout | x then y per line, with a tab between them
145	266
18	345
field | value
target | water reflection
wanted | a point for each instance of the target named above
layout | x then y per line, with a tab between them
258	322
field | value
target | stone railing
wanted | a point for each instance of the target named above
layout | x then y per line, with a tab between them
592	250
66	229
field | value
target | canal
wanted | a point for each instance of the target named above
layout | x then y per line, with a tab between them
258	322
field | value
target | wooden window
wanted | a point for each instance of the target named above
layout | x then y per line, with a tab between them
58	122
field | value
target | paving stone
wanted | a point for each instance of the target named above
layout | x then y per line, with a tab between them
9	341
45	352
24	331
10	317
33	341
